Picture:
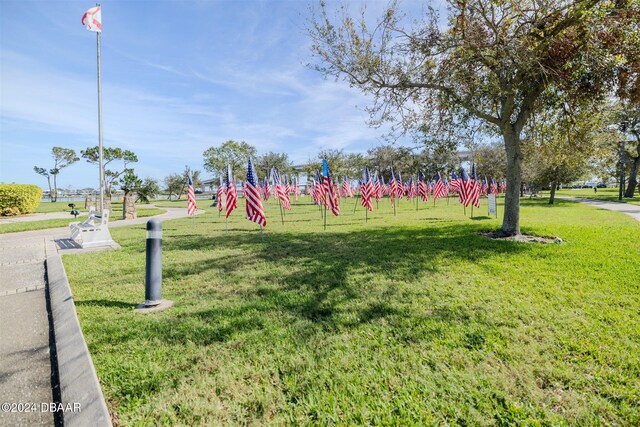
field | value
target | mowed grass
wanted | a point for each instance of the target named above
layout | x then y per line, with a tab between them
412	319
116	215
606	194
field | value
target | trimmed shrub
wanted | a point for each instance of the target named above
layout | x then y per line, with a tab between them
17	199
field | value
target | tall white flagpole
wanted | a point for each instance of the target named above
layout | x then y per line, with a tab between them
98	33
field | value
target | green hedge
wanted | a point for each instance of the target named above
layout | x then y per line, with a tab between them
17	199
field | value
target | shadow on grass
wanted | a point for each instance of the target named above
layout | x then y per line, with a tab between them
318	279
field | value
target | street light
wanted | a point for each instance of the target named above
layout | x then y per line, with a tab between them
623	129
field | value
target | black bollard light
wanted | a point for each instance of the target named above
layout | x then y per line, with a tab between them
153	272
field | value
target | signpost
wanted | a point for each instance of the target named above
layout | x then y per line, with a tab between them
493	205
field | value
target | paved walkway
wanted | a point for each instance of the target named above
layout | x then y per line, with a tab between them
627	208
25	362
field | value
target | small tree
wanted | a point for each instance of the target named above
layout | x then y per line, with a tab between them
148	190
174	183
231	153
130	184
62	157
267	161
110	157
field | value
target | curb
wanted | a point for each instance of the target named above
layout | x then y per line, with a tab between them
78	380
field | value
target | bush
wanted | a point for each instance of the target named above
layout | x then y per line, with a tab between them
16	199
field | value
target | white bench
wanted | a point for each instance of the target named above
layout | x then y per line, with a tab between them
93	231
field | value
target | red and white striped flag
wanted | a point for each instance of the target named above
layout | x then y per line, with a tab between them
367	190
254	209
331	199
220	196
92	19
232	196
191	198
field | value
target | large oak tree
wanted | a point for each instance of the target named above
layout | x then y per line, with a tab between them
491	64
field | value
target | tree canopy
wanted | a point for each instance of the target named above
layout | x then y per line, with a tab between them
489	66
231	153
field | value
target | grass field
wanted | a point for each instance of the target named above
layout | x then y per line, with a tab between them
608	194
49	207
412	319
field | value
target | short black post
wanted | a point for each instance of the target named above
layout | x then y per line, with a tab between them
153	271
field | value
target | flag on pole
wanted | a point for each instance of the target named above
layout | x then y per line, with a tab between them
494	186
191	198
220	195
92	19
393	187
254	209
320	196
267	190
367	190
232	196
438	188
423	190
330	194
281	192
377	188
464	188
346	185
475	187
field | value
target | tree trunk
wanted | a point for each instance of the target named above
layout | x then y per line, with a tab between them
50	192
552	194
54	195
511	219
633	174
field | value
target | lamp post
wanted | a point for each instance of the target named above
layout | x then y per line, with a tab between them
623	129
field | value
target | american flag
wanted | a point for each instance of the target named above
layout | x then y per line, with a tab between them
279	189
232	196
464	188
494	186
346	187
503	186
367	190
475	188
439	188
254	209
485	187
377	188
320	196
393	187
330	194
296	190
191	198
266	190
412	189
220	196
455	182
423	190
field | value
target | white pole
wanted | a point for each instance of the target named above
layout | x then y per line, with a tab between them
100	126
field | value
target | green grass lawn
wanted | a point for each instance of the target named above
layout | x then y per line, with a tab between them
116	215
608	194
412	319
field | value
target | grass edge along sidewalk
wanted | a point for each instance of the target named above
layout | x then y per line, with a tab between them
414	319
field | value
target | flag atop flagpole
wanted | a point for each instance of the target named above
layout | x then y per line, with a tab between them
92	19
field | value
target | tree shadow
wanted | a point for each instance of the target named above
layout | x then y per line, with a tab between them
320	279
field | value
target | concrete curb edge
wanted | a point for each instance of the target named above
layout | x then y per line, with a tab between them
78	380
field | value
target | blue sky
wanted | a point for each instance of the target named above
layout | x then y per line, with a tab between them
178	78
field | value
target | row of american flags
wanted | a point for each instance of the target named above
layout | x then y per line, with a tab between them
326	192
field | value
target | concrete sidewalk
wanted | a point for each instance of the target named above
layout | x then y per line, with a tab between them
28	366
626	208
